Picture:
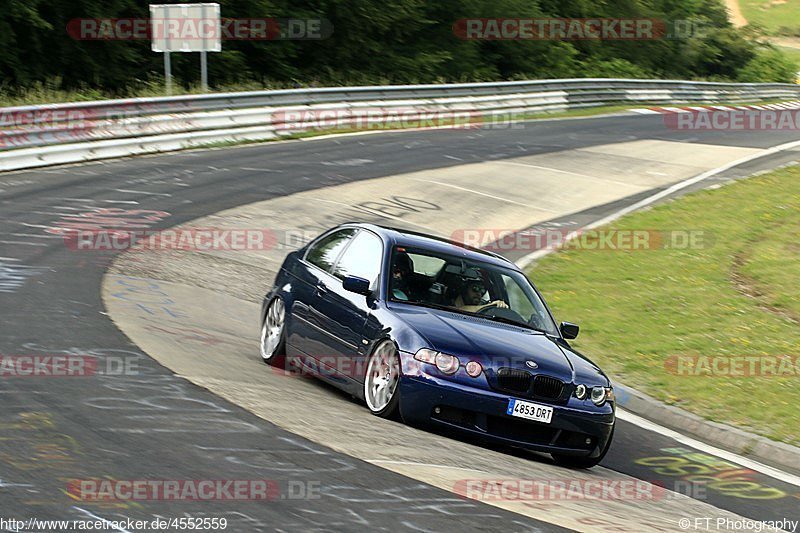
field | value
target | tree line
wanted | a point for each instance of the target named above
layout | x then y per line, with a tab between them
382	41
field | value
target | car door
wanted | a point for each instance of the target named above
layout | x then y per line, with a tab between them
308	332
345	313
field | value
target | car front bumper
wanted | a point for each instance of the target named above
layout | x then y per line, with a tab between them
436	402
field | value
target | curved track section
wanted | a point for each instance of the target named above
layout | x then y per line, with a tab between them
197	316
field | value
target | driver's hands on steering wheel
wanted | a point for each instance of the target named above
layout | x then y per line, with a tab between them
496	303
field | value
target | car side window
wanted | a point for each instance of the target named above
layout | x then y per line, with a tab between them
324	252
519	302
362	258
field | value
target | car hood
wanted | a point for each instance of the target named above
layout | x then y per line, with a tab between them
494	344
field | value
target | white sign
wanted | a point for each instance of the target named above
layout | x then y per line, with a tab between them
185	28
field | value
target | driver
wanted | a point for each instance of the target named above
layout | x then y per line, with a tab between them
469	299
401	272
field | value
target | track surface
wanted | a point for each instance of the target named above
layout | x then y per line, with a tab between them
56	429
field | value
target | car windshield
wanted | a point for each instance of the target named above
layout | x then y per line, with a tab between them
424	277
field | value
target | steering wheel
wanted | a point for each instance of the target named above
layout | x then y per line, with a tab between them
486	309
503	312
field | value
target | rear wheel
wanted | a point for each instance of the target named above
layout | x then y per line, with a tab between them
381	382
571	461
273	333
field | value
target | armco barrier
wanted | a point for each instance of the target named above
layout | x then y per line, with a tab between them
33	136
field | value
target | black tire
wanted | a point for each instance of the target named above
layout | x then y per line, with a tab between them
271	353
384	409
572	461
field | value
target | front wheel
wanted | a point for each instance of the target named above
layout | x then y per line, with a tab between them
571	461
382	380
273	333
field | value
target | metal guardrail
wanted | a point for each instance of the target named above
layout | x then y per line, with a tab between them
32	136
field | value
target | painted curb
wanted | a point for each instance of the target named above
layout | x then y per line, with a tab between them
727	437
773	453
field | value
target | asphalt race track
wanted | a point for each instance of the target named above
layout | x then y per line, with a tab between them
156	424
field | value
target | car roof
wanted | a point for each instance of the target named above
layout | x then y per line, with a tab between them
413	239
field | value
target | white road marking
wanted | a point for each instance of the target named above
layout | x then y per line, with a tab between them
428	465
559	171
376	213
70	199
443	184
143	192
637	420
34	225
35	236
22	243
533	256
644	111
347	162
707	448
259	169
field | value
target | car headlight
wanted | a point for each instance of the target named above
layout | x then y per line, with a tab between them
601	395
426	356
580	392
446	363
474	369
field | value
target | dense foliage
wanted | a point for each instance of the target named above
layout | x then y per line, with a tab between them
386	41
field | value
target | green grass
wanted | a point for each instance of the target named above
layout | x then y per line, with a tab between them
792	53
51	92
776	16
740	295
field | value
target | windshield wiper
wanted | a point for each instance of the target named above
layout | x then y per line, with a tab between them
511	321
434	306
469	313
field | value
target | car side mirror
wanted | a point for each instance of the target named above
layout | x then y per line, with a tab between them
356	285
569	330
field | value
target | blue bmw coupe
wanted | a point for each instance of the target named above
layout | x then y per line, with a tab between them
439	334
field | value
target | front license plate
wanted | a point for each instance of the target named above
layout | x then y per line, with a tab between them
529	410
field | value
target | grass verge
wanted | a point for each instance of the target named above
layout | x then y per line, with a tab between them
793	54
777	17
738	295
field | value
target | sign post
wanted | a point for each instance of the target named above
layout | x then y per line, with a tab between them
168	73
185	28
